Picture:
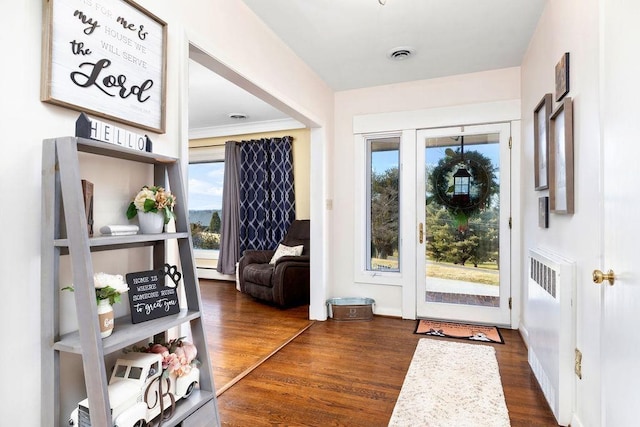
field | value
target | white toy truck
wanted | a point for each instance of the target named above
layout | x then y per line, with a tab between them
134	391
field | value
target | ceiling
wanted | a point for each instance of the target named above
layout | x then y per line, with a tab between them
347	42
212	99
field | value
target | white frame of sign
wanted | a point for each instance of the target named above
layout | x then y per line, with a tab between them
107	59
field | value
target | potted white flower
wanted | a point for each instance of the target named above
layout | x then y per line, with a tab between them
153	205
109	288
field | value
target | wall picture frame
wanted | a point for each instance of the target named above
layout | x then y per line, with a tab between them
562	77
541	115
543	212
107	59
561	160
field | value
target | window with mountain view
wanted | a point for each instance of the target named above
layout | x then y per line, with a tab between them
205	206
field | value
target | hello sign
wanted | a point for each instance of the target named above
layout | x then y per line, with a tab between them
87	127
106	57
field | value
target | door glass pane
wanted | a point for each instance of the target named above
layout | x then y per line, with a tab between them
462	207
205	204
384	204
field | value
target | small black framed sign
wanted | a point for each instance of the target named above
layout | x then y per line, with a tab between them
543	212
107	58
149	298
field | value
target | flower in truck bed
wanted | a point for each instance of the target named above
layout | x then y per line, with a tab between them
178	356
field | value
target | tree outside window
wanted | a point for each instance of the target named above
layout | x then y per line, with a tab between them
384	203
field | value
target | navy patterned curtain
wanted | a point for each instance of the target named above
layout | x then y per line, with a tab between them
267	201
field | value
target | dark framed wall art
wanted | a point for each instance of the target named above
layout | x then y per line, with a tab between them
541	116
543	212
562	77
561	179
105	58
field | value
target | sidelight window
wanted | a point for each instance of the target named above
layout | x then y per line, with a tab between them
383	199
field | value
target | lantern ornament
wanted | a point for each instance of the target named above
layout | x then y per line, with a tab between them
461	180
461	185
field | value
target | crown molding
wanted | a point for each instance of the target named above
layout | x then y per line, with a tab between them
245	128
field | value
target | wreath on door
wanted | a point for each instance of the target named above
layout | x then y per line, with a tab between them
483	184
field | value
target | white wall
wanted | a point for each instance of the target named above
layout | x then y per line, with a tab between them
569	26
497	85
225	28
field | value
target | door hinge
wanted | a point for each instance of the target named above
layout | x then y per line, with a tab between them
510	303
578	363
510	223
510	141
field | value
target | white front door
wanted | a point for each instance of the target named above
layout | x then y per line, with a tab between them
620	91
463	209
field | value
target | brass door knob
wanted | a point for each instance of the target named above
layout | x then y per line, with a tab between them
599	277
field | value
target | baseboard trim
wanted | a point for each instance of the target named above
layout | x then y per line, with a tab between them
209	273
524	333
575	421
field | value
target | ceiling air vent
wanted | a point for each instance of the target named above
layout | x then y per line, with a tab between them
238	116
400	53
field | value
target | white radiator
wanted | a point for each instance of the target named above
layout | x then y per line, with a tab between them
551	327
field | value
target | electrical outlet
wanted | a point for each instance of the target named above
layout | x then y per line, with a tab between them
578	367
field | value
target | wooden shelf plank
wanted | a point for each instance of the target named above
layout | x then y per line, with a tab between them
113	150
126	333
101	243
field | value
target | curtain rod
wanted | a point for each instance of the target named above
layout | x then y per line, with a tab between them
260	139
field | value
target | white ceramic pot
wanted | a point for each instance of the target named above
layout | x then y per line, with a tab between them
151	222
105	318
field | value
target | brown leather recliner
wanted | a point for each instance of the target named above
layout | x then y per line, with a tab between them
284	283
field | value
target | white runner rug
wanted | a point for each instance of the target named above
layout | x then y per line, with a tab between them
451	384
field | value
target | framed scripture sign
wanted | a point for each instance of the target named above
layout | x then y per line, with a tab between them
106	58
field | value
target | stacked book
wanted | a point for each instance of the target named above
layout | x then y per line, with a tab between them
119	230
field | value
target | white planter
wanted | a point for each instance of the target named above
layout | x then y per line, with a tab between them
150	222
105	318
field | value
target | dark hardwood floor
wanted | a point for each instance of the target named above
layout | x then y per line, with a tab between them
338	373
241	332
